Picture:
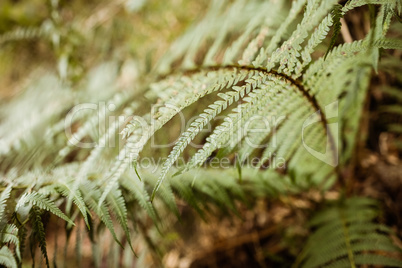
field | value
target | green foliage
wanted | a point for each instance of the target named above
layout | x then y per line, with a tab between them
10	235
38	233
346	235
7	258
336	17
242	60
42	202
5	194
391	112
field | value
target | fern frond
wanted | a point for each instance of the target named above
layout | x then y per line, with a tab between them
243	112
287	54
358	3
3	199
135	143
7	258
10	235
211	112
287	78
66	189
91	195
222	133
118	207
22	34
22	235
39	231
286	103
185	191
218	186
388	43
42	202
167	196
137	188
347	236
336	17
264	53
81	176
316	38
317	70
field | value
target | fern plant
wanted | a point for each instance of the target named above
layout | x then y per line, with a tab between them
346	235
264	59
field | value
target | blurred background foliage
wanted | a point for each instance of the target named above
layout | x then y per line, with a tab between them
70	37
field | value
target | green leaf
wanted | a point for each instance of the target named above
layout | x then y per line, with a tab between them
41	201
3	199
347	236
10	235
39	231
7	258
117	204
66	190
336	17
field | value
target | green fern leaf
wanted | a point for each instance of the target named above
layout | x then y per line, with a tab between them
39	200
347	236
205	118
118	207
137	188
91	197
66	189
3	199
10	235
336	17
39	231
7	258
